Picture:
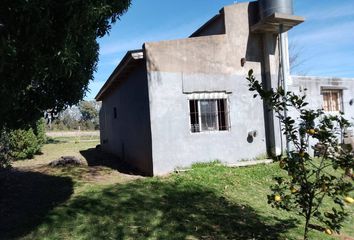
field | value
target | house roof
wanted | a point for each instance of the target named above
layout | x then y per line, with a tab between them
120	72
208	23
320	78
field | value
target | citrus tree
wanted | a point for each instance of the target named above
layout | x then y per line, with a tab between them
317	188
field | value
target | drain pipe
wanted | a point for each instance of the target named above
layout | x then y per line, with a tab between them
283	61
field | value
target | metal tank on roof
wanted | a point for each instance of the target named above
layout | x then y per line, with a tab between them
269	7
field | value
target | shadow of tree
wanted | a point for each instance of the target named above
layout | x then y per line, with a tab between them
158	209
96	157
51	140
26	198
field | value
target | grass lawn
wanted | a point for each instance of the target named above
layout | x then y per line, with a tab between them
96	202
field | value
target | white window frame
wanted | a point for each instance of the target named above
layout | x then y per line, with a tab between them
198	97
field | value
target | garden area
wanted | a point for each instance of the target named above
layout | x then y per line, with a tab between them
96	201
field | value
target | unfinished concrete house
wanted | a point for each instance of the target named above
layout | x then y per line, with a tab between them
174	103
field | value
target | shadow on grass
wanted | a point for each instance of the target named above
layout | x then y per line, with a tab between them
97	157
158	209
51	140
26	198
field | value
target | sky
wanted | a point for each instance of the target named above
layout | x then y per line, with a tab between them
324	42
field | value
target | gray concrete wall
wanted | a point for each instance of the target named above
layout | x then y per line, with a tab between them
129	136
207	64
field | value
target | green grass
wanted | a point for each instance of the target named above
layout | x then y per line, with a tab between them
95	202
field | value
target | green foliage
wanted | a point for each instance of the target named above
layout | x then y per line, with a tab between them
23	144
39	131
48	53
5	158
64	123
84	116
88	111
310	182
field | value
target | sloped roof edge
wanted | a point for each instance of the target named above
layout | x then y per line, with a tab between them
209	22
129	58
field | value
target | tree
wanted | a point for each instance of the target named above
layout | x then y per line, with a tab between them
48	53
296	60
5	157
311	181
88	111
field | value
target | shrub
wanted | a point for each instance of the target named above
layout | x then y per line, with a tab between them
23	144
39	131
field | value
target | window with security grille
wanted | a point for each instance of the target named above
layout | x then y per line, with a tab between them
332	100
209	115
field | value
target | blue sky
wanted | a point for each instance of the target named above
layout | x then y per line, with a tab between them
325	42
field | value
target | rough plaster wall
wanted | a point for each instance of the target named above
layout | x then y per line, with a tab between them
129	135
181	66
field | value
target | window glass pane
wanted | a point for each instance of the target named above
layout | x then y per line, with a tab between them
222	114
194	115
115	113
208	110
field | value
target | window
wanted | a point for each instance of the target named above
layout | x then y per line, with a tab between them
332	100
115	113
208	115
